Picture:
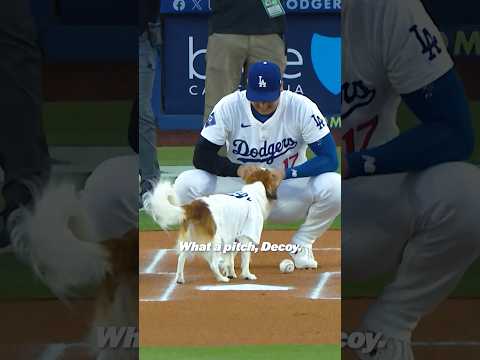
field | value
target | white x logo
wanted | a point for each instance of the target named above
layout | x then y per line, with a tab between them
196	4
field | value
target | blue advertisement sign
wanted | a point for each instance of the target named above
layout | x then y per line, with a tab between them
290	6
325	6
313	61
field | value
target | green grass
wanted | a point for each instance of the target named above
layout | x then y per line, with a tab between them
17	280
87	123
261	352
468	287
175	155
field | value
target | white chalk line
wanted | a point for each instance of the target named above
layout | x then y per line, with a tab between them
158	256
160	253
167	293
162	273
169	290
165	296
172	285
317	291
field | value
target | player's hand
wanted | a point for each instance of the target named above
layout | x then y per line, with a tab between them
279	173
245	170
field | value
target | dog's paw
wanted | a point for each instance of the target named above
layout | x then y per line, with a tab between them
249	276
232	276
180	280
223	279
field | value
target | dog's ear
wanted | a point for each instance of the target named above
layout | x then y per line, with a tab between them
271	186
268	180
254	176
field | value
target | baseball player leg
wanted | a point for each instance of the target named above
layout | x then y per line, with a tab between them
445	241
315	200
376	224
324	209
269	47
192	184
23	147
113	204
149	168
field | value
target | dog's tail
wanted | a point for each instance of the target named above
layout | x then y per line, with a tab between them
161	205
61	244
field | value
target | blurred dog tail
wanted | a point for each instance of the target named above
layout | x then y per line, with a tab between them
61	243
161	205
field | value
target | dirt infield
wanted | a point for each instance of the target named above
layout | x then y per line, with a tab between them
31	324
450	332
298	308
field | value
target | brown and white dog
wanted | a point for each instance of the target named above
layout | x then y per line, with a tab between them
216	222
59	242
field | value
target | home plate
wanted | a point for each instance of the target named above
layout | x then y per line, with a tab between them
244	287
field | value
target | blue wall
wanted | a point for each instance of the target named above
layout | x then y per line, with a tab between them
313	68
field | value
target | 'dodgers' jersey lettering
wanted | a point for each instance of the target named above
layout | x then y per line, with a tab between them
296	123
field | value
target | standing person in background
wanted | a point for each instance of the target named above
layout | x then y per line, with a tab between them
23	148
149	40
240	34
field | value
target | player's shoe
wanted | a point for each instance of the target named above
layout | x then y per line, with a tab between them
394	349
304	259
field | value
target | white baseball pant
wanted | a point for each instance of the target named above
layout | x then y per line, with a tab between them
113	203
423	226
317	200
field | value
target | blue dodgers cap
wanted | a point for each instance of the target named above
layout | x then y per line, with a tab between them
264	81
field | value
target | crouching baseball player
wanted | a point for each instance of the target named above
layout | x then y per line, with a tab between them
411	202
267	127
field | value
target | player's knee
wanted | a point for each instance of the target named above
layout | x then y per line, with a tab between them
194	183
328	190
451	200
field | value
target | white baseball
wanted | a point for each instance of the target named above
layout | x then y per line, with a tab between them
286	266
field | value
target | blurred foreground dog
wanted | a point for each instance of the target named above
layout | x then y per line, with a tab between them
217	222
56	237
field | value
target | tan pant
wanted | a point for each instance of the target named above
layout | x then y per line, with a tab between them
227	54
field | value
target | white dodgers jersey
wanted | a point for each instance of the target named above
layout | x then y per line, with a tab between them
390	48
279	142
238	214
